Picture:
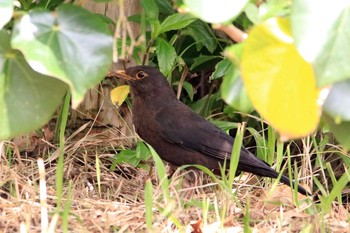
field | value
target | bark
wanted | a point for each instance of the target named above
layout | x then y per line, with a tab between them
108	123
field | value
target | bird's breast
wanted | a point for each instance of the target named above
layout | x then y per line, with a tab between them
144	121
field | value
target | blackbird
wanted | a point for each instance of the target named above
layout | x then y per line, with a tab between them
179	135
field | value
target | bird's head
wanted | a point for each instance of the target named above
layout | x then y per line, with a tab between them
146	81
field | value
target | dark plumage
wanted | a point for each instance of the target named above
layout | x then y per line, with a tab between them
179	135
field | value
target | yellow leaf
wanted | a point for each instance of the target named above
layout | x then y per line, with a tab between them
279	82
119	94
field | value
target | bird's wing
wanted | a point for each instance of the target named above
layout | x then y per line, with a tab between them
194	133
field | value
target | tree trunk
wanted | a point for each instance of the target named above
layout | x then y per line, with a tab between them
97	121
109	125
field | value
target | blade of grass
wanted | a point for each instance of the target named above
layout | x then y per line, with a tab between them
211	174
9	155
247	216
271	143
43	196
276	182
224	211
336	191
98	173
265	147
291	176
261	147
295	187
67	206
205	211
222	183
293	173
236	151
279	156
59	170
334	179
319	185
164	185
149	204
161	172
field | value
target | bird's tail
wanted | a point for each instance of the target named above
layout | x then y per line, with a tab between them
250	163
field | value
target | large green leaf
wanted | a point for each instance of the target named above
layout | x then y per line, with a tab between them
151	12
6	11
165	7
27	98
166	55
215	11
234	92
71	44
175	22
337	103
202	34
321	31
150	8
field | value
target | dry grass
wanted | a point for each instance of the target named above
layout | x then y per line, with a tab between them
119	205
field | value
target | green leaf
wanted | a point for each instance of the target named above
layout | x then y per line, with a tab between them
142	151
71	44
202	59
234	53
166	55
206	105
6	11
327	46
126	156
188	88
202	34
27	99
252	12
175	22
221	69
215	11
234	93
340	130
150	8
165	7
337	103
133	157
225	125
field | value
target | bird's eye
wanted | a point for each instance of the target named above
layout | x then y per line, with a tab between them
141	75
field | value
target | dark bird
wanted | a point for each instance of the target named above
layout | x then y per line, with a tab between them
178	134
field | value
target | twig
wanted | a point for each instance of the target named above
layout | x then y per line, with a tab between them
231	31
182	79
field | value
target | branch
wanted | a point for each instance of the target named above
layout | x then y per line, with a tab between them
231	31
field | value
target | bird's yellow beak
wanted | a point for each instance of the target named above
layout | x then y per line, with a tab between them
121	74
